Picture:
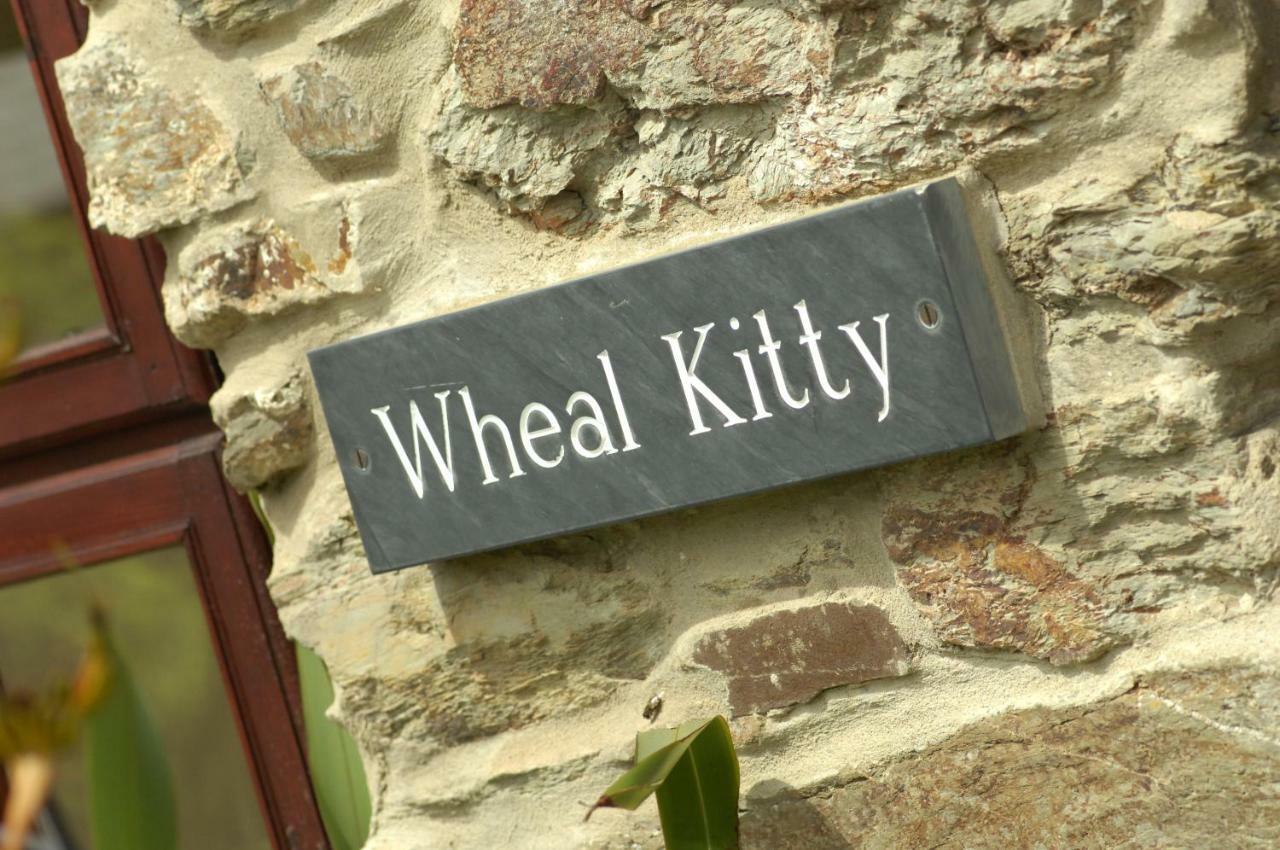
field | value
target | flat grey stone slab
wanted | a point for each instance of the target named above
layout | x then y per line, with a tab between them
852	338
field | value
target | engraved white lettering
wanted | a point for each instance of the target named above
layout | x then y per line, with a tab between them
692	384
527	435
810	339
477	431
880	370
596	422
769	349
624	423
421	434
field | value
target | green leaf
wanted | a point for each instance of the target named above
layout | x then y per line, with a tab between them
693	769
131	801
337	774
255	500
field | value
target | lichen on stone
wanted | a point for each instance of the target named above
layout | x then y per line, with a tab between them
155	156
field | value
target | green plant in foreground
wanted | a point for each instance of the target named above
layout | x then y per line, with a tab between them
132	805
333	762
337	774
693	770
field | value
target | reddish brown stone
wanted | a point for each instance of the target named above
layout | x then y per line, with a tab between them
558	212
789	657
538	55
251	270
954	527
267	260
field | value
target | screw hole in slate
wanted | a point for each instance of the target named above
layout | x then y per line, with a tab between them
928	314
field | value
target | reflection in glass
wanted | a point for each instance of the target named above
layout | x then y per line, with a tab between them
43	269
156	617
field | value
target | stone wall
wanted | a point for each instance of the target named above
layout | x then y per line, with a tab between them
1068	639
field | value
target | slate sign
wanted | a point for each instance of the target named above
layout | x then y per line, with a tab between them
848	339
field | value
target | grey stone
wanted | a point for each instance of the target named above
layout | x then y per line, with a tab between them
609	351
322	114
155	157
235	18
269	432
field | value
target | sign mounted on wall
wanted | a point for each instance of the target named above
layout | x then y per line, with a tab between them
852	338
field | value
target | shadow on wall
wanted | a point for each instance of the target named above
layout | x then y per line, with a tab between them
570	619
788	820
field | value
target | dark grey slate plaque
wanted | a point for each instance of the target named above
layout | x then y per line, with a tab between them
792	353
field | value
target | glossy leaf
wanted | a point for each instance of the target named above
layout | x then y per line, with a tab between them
255	499
337	774
693	770
131	799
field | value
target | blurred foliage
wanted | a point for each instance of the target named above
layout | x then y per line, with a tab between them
36	726
131	798
337	774
159	625
43	269
10	38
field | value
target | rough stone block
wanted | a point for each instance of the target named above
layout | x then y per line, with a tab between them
1185	760
525	159
241	272
269	431
954	529
322	114
788	657
234	18
512	52
156	157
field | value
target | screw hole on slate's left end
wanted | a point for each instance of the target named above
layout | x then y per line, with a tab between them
362	460
928	314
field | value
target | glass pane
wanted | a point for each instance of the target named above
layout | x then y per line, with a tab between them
158	622
44	274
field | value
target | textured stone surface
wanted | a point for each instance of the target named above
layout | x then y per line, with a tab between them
1179	761
321	113
684	53
155	156
790	656
269	431
232	17
961	538
1132	161
232	274
477	142
855	99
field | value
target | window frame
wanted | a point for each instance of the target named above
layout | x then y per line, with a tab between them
130	369
170	494
108	449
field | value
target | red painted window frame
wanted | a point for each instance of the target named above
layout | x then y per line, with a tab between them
129	501
107	449
130	369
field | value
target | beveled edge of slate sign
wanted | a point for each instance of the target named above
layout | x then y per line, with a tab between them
999	354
